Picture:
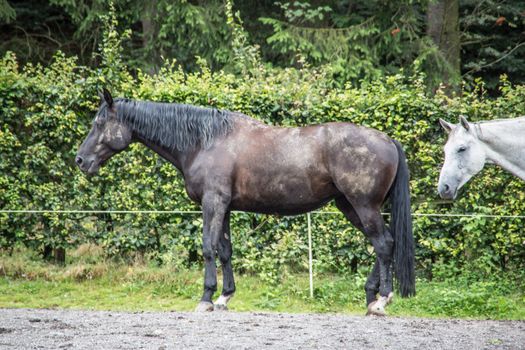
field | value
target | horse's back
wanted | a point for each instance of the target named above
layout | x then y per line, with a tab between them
293	170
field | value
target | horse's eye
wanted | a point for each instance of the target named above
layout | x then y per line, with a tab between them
462	149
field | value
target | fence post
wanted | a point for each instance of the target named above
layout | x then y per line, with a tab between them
310	264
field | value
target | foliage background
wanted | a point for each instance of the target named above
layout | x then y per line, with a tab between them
47	111
356	39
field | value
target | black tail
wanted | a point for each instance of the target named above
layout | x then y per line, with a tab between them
401	227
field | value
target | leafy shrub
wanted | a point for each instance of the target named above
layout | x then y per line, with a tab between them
46	113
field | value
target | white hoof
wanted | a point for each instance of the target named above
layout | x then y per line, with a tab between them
204	306
221	304
377	308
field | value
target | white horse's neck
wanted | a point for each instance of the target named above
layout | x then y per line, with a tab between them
504	141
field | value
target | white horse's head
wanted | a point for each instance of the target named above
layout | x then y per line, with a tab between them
465	156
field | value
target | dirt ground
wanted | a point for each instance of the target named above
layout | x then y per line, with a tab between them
75	329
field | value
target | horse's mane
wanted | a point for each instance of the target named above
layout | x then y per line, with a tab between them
175	126
500	120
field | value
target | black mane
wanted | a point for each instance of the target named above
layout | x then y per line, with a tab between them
175	126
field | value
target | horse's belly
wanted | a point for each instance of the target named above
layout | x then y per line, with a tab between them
285	195
279	209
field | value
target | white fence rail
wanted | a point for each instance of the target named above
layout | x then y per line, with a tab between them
95	211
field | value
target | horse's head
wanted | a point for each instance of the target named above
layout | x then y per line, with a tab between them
464	157
107	137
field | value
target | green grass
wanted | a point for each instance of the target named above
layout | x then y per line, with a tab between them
30	283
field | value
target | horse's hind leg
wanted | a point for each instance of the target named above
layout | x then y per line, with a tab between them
372	282
380	279
225	255
383	243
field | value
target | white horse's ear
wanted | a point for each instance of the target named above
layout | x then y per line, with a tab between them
464	122
446	125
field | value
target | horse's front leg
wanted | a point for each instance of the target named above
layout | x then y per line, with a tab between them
225	257
214	207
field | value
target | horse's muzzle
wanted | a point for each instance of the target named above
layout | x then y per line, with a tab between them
446	192
86	164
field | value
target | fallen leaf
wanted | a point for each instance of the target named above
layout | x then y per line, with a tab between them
500	20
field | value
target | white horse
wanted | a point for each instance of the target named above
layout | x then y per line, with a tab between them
471	145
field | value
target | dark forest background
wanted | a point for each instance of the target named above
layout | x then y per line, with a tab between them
450	40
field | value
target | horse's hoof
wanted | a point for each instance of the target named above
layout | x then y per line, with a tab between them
377	308
220	307
204	306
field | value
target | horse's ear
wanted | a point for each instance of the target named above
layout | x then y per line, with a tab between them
464	122
446	125
107	97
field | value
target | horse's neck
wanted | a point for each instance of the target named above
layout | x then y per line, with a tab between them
173	156
505	144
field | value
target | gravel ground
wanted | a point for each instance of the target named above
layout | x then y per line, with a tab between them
75	329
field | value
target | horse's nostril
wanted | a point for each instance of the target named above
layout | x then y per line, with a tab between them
79	160
447	188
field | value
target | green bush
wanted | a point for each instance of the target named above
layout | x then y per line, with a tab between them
47	111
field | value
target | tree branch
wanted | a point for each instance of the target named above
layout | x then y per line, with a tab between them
477	69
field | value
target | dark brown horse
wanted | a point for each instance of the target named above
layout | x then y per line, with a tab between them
230	161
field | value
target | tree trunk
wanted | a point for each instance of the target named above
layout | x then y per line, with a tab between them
443	28
55	255
148	33
48	252
59	255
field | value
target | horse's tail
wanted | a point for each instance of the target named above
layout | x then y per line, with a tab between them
401	227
